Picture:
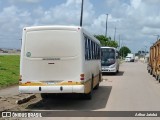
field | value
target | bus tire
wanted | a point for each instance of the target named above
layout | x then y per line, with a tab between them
158	79
117	70
44	96
97	86
114	73
150	72
153	75
88	96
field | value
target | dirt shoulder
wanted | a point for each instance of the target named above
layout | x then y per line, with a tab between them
8	98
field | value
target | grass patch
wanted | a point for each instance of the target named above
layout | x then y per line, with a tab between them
9	70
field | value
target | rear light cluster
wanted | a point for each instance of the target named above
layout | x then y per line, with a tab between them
81	76
27	82
20	78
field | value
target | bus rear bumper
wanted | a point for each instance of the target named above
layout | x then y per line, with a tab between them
52	89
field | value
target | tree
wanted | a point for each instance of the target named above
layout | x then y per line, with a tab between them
124	51
106	41
103	40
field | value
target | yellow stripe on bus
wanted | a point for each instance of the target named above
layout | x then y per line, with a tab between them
87	84
45	84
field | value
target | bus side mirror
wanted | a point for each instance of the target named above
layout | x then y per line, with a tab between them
117	56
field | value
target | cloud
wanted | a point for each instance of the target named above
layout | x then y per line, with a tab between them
11	17
67	13
139	20
25	1
136	20
14	18
150	31
151	1
135	3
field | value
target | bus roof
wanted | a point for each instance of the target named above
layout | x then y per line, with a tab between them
108	47
61	27
34	28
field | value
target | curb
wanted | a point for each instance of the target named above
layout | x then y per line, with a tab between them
26	99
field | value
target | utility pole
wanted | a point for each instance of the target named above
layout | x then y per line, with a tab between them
119	43
106	25
21	40
115	34
81	19
122	49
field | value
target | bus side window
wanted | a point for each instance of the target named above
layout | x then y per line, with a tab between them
90	49
86	48
88	58
93	54
89	53
99	52
96	51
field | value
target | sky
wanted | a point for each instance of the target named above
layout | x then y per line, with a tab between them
137	22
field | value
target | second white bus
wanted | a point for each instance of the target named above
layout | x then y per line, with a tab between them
109	60
59	59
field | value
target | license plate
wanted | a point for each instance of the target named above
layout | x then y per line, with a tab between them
50	83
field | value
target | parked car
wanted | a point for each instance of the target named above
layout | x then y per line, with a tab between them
127	59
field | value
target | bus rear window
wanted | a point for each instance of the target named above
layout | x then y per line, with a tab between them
51	43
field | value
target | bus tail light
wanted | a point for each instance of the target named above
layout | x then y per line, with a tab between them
28	82
20	78
69	81
81	76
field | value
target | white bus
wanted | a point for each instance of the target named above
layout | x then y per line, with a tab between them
109	60
59	59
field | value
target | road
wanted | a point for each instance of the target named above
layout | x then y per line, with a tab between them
9	91
132	89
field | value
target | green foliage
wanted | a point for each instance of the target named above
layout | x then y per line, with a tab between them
124	51
106	41
9	70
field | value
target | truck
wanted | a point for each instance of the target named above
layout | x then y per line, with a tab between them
130	57
153	66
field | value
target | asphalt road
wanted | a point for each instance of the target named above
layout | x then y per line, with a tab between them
132	89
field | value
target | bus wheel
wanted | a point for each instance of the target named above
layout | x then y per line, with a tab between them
157	77
97	86
153	75
150	72
117	70
114	73
88	96
44	96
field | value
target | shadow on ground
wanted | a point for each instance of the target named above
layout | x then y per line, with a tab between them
74	102
120	73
